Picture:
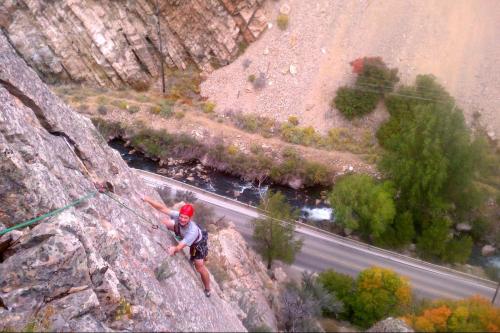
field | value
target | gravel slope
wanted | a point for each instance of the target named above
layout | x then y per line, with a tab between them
456	40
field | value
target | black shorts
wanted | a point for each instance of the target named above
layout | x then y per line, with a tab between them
200	249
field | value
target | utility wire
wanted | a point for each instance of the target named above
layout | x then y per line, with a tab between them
401	95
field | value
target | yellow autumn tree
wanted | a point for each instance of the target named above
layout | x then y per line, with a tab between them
380	292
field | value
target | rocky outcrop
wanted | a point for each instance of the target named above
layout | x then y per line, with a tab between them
117	42
390	325
243	278
96	266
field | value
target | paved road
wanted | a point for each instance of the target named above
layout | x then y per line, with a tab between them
321	251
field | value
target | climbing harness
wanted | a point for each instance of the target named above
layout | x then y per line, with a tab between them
52	213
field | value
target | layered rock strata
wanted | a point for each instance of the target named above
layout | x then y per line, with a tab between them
116	43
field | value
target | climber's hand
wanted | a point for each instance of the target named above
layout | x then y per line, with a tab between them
171	250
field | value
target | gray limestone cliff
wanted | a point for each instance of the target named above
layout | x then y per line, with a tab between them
116	43
96	266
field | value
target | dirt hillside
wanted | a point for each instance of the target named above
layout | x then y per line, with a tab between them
456	40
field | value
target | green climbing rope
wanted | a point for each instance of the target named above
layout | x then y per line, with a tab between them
52	213
131	210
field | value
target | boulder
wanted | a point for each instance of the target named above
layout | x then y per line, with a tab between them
463	227
488	250
390	325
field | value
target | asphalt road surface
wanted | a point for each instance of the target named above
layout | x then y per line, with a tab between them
321	251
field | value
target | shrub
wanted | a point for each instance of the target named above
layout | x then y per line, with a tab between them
282	21
354	103
102	109
166	108
242	46
251	78
102	100
83	107
232	150
208	107
293	120
179	115
155	109
340	285
120	104
254	123
143	98
108	128
375	75
302	304
133	109
260	82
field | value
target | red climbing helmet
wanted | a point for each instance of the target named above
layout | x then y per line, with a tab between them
187	209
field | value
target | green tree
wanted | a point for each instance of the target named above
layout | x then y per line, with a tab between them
432	160
379	293
275	239
432	243
375	75
355	103
362	204
340	285
400	233
458	250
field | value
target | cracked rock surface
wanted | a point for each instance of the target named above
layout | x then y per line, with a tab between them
91	267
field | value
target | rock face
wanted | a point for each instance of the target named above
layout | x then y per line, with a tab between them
244	278
117	42
390	325
95	266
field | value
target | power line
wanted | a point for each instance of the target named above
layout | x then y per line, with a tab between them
401	95
417	89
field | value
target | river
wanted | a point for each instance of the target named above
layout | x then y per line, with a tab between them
311	202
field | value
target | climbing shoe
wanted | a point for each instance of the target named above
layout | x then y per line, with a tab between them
207	293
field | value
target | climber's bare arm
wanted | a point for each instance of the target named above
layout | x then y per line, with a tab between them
156	205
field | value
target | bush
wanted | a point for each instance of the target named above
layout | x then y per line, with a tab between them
208	107
166	108
155	109
102	109
260	81
282	21
179	115
254	123
354	103
340	285
133	109
83	107
251	78
102	100
120	104
302	305
293	120
108	128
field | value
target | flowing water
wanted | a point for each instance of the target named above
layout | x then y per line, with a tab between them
312	205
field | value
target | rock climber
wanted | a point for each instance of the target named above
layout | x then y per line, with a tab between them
191	235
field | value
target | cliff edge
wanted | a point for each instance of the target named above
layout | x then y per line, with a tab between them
95	266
